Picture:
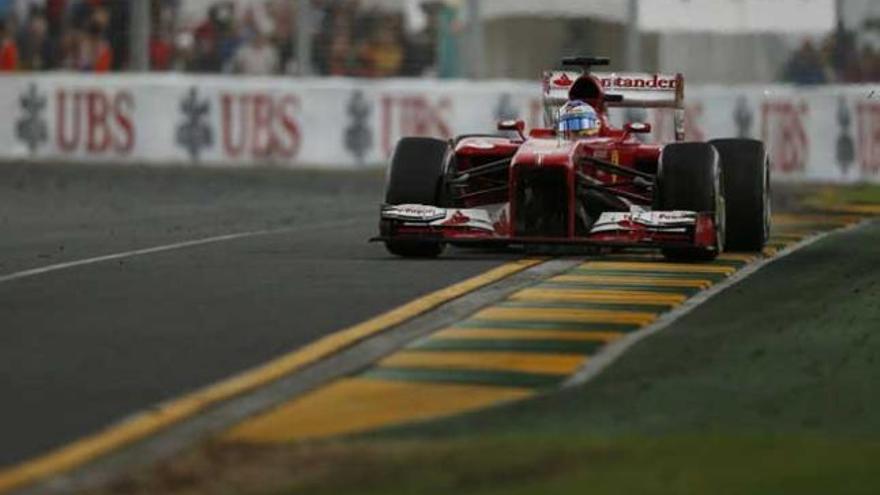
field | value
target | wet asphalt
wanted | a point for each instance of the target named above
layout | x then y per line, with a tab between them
84	347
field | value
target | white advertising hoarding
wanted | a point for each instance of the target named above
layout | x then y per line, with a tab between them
829	133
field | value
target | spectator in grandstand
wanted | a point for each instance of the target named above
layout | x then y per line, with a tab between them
161	52
336	53
870	64
420	46
383	54
227	33
209	42
36	48
204	56
283	15
56	13
24	8
341	58
806	66
256	57
90	51
116	29
8	49
841	54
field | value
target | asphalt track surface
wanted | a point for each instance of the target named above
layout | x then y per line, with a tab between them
84	347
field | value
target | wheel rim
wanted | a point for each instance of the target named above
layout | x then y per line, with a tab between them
720	212
767	203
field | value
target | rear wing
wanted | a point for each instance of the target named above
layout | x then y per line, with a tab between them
643	90
622	89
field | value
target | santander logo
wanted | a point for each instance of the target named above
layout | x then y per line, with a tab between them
563	81
629	82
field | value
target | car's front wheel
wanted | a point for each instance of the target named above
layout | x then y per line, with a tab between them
416	176
689	178
747	187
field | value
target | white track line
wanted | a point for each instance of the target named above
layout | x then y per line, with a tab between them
594	365
32	272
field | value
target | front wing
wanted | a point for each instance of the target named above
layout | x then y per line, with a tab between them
638	228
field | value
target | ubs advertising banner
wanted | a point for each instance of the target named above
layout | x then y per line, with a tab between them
830	133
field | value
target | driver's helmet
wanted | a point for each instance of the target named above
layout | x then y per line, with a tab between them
578	119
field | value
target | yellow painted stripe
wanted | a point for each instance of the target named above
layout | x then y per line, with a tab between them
770	251
814	217
659	267
794	231
520	362
635	280
855	209
789	236
600	295
355	405
566	314
525	334
737	257
811	227
166	414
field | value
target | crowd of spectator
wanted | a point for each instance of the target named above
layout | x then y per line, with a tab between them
348	40
257	37
837	58
85	35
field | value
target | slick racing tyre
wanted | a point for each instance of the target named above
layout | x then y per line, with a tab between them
690	178
747	193
416	176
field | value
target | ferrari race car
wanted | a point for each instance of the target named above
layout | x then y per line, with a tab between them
691	200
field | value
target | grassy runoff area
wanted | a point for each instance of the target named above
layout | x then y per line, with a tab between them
772	388
769	388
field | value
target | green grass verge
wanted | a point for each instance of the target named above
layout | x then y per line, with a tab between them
531	464
853	195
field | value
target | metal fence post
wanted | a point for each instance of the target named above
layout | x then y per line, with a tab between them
633	46
304	32
139	41
475	40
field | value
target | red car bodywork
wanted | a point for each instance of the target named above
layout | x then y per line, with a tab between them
491	176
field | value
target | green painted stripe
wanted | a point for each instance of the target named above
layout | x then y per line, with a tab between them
656	308
648	274
549	325
500	378
808	227
524	345
685	291
661	259
629	258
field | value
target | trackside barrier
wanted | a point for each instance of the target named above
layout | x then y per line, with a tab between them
829	133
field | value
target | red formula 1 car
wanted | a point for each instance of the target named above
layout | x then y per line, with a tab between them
689	199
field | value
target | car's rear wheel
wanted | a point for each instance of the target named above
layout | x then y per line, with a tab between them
747	191
689	178
416	176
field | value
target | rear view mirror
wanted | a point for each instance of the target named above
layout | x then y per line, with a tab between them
513	125
637	127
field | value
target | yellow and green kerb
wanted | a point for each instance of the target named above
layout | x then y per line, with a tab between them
530	342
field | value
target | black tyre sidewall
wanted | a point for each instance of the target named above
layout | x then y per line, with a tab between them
690	177
416	176
416	172
746	183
